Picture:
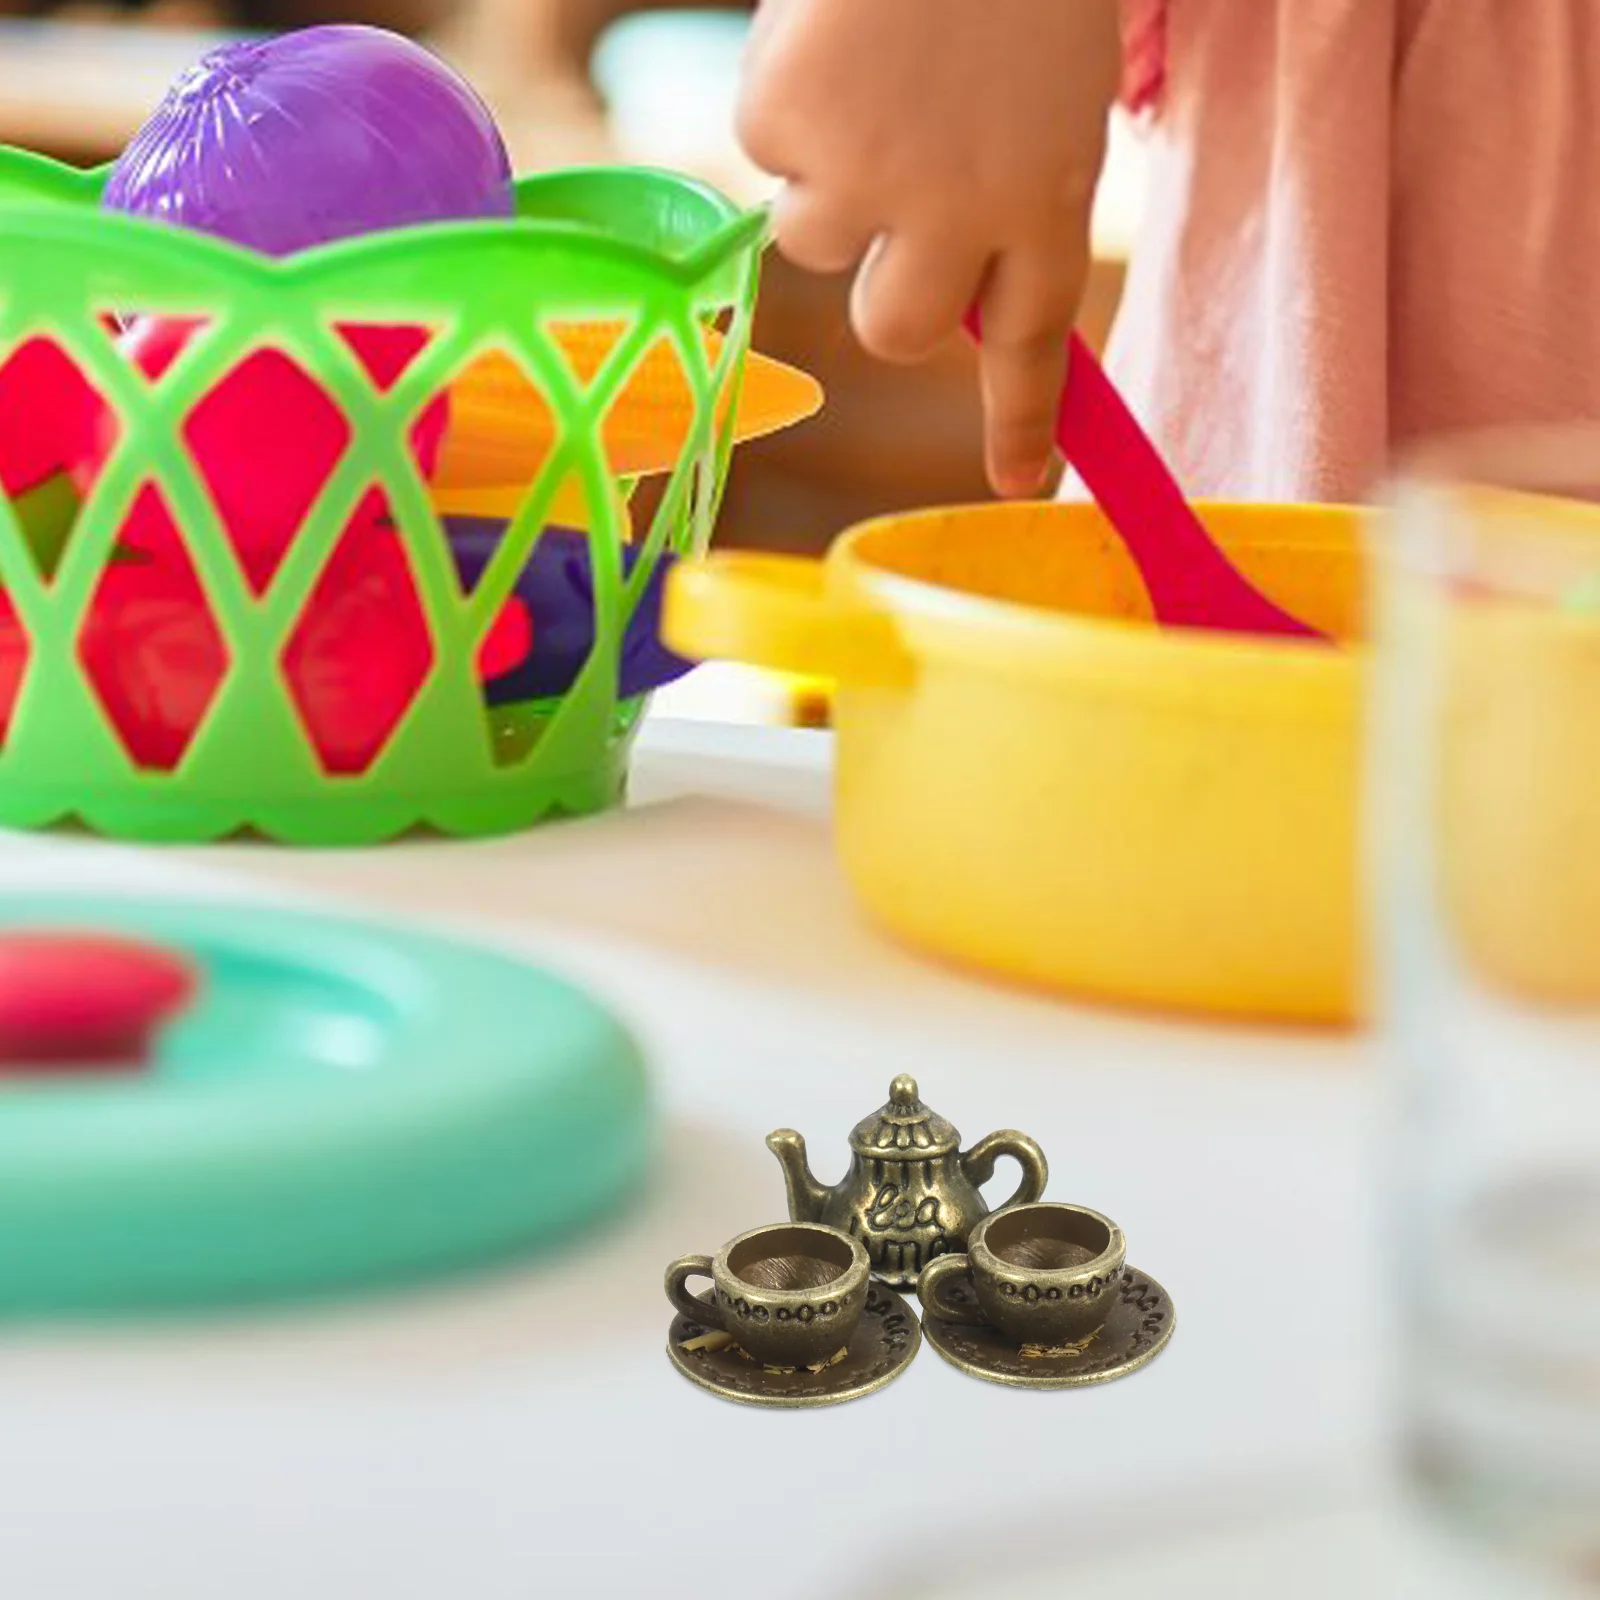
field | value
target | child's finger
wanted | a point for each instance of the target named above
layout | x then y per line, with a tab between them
771	120
912	293
1029	305
817	234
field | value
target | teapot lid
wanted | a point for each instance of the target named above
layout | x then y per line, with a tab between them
904	1129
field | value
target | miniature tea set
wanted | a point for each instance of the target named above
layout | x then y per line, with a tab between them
1036	1294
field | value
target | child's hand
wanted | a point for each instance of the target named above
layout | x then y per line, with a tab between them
951	149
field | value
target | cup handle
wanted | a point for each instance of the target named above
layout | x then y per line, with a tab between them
978	1164
936	1277
707	1313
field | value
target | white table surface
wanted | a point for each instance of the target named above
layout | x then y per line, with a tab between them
523	1434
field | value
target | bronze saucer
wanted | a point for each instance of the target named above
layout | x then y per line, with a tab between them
1136	1332
881	1349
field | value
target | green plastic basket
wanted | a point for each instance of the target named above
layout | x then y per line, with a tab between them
664	257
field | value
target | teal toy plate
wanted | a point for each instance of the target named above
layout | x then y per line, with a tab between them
344	1106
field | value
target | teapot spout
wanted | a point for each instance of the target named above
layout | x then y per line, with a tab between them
806	1196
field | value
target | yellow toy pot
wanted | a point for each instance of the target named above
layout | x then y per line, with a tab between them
1035	780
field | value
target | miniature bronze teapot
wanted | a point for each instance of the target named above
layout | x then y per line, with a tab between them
911	1192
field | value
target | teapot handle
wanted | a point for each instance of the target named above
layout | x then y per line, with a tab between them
978	1164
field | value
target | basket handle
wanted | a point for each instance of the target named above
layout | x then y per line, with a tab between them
779	612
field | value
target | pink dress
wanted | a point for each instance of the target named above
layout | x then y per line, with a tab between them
1369	221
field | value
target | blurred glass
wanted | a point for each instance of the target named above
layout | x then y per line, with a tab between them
1487	711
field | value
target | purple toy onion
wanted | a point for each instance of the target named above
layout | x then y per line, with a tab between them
287	143
557	588
281	145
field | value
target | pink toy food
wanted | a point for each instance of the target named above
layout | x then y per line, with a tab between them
84	999
353	662
46	411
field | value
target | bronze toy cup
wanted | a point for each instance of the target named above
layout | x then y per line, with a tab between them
790	1294
1043	1274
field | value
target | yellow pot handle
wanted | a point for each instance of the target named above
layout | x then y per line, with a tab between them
778	612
